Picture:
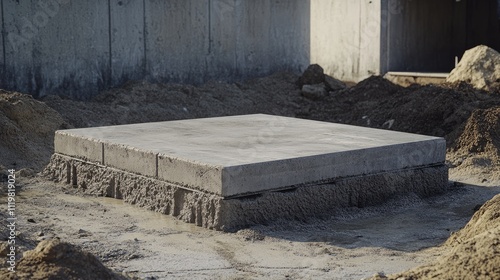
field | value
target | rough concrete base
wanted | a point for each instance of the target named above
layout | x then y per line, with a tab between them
214	212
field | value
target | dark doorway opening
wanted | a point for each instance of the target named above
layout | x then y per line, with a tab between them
427	35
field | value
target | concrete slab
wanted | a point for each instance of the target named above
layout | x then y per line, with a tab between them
240	155
90	149
215	212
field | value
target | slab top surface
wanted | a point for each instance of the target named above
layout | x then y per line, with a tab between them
250	153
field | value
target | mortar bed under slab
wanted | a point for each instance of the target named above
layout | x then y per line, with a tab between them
301	202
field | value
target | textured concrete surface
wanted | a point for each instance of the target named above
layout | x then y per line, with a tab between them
212	211
242	155
77	48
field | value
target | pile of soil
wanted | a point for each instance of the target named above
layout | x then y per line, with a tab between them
430	110
480	67
476	151
374	102
53	259
141	101
27	134
474	253
487	218
481	134
466	117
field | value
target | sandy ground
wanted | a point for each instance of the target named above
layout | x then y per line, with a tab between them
353	243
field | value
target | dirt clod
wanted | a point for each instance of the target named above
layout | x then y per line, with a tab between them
314	74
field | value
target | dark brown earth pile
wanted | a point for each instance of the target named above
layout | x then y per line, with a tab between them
141	101
374	102
430	110
481	134
54	260
466	117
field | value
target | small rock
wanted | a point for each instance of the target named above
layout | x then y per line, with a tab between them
83	233
314	92
40	233
312	75
333	84
31	220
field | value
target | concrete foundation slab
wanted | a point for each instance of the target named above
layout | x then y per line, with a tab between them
303	202
229	172
241	155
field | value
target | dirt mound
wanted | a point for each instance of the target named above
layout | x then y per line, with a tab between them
487	218
53	259
479	66
474	253
142	101
481	133
27	130
376	102
476	151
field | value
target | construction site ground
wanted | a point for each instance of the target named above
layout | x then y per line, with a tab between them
354	243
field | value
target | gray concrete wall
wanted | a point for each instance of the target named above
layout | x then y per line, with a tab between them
56	46
345	37
78	48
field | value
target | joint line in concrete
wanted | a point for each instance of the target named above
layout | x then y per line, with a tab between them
209	26
156	173
110	42
4	33
144	37
102	153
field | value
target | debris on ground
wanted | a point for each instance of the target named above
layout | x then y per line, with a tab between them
480	67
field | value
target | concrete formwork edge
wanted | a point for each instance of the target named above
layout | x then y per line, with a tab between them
214	212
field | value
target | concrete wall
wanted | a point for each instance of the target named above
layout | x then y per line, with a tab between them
48	46
78	48
345	37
